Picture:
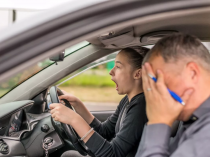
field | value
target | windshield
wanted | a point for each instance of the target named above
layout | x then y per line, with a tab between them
16	80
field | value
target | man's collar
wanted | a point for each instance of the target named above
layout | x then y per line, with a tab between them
200	111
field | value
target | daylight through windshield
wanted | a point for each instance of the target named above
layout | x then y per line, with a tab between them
19	78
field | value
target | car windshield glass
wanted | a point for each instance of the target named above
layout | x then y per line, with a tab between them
19	78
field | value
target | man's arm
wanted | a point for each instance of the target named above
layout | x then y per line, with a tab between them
155	141
162	110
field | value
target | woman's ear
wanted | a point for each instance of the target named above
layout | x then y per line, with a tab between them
138	74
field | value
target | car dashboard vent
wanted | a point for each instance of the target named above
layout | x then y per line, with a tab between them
3	147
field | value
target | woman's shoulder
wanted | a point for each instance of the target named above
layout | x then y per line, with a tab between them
138	107
138	98
139	101
123	101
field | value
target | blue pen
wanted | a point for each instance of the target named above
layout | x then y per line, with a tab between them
174	95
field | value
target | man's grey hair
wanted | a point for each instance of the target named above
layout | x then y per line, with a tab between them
177	47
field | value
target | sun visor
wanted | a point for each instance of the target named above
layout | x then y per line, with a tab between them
153	37
117	39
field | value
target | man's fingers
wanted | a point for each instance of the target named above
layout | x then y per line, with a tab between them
151	82
187	95
144	79
161	87
160	77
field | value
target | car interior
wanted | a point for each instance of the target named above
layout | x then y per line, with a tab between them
25	121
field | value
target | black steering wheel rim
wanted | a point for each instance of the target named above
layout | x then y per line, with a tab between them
69	131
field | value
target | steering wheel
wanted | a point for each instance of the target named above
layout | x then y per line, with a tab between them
69	131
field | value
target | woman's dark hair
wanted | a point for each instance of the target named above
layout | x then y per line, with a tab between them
135	55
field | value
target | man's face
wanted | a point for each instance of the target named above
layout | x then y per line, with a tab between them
176	78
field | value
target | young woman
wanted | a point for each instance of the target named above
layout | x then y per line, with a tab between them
124	128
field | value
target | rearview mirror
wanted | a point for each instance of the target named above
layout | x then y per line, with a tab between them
58	57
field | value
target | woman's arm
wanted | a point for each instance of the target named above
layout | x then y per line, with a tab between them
126	139
78	106
65	115
107	129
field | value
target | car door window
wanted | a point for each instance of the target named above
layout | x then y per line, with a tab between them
92	84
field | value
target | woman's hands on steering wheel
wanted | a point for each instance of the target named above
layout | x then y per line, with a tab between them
63	114
73	100
72	123
78	106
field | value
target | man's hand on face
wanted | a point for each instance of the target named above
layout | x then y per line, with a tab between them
161	106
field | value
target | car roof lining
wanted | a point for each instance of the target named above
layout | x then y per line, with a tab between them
191	21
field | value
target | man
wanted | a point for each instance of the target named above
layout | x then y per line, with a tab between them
181	63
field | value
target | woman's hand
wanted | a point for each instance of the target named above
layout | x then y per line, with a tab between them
160	105
65	115
74	101
62	113
78	106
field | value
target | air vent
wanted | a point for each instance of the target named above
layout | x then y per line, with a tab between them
153	37
3	147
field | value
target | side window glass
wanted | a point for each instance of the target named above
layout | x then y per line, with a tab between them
92	84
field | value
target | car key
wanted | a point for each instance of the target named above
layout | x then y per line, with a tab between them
46	148
47	143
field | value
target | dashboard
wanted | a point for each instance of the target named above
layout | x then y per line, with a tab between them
22	133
